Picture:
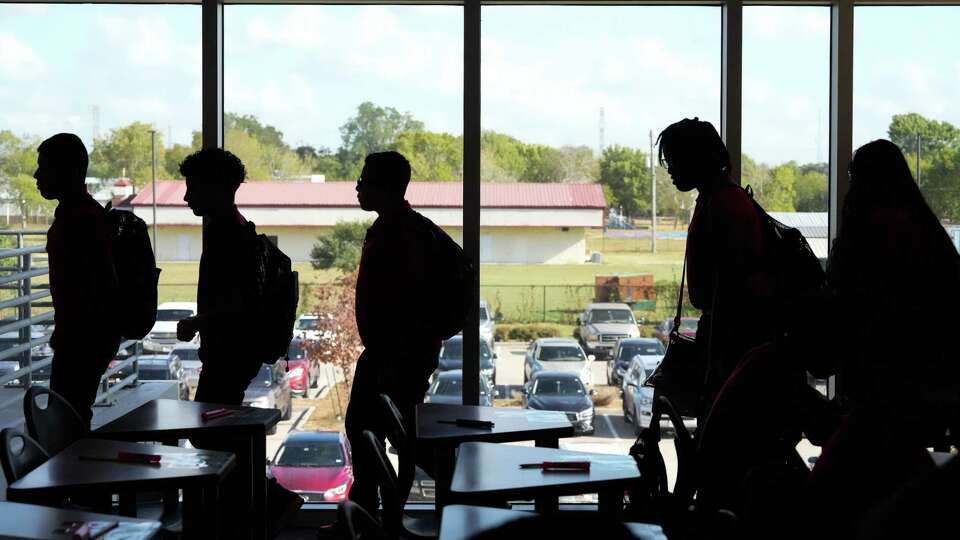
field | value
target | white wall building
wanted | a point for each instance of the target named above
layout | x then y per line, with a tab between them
519	223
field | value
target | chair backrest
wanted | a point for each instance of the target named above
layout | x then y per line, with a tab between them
19	454
391	513
399	439
51	420
360	525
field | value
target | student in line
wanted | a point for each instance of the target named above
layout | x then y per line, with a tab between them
83	282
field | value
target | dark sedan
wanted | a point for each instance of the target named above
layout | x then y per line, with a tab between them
555	391
447	388
451	357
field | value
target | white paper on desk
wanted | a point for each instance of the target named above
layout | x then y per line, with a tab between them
191	460
129	530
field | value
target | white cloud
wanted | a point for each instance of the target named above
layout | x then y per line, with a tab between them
786	22
18	61
151	42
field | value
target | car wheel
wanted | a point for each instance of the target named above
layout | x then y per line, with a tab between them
626	417
637	429
288	413
316	381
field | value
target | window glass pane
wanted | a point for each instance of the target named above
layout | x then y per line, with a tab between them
110	74
906	80
570	98
309	92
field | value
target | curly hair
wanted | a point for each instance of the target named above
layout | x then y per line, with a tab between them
692	135
214	165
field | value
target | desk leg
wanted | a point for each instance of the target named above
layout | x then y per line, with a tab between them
258	486
610	503
193	515
549	442
127	502
445	462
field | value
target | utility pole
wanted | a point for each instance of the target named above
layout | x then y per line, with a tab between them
918	158
653	205
153	153
601	134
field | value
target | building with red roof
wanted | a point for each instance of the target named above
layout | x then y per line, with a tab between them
519	222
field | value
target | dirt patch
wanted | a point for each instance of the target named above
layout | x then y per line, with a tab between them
327	412
605	395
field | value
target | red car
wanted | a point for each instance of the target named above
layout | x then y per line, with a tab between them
303	370
688	327
314	464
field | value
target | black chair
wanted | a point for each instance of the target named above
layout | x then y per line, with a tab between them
51	420
395	522
683	443
399	439
19	454
359	524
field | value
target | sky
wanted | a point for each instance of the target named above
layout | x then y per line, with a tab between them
546	71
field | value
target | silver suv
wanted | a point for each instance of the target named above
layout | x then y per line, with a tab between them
603	325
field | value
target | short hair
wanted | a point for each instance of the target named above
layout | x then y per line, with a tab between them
692	135
388	169
68	151
215	165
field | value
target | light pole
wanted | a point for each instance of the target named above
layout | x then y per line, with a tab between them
153	155
653	204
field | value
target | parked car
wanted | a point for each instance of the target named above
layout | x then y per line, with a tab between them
552	391
688	327
307	327
303	370
451	357
314	464
603	325
558	355
10	340
447	387
487	324
188	354
163	367
638	399
626	350
269	390
162	338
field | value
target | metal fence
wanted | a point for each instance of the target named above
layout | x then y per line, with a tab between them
27	322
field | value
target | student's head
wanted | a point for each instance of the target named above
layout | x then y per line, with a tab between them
879	170
383	181
693	153
213	176
61	166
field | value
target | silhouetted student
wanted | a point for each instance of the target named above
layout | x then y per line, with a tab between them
727	276
894	262
83	282
226	295
400	351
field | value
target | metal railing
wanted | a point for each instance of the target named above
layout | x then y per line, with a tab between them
34	315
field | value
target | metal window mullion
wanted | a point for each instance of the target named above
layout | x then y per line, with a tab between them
212	73
841	121
471	194
731	81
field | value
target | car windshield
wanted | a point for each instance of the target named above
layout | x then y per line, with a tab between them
307	324
453	386
611	316
186	354
453	350
153	372
167	315
296	351
265	376
558	387
310	454
629	350
561	353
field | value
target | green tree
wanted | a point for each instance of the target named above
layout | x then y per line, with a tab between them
18	161
264	134
320	161
341	247
939	183
501	157
373	129
432	156
250	151
542	163
624	174
126	152
175	155
578	165
779	193
811	191
934	135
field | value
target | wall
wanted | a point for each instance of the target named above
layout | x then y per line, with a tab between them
548	245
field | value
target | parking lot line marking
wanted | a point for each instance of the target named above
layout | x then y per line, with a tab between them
610	425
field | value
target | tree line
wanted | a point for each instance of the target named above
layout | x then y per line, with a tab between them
624	172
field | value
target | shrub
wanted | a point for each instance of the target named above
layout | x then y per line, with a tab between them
527	332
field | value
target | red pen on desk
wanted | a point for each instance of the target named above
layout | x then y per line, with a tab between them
135	457
216	413
559	466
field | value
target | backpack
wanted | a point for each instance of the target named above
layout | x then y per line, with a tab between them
137	272
795	268
452	274
278	294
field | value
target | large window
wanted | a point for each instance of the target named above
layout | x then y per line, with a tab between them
570	97
906	79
